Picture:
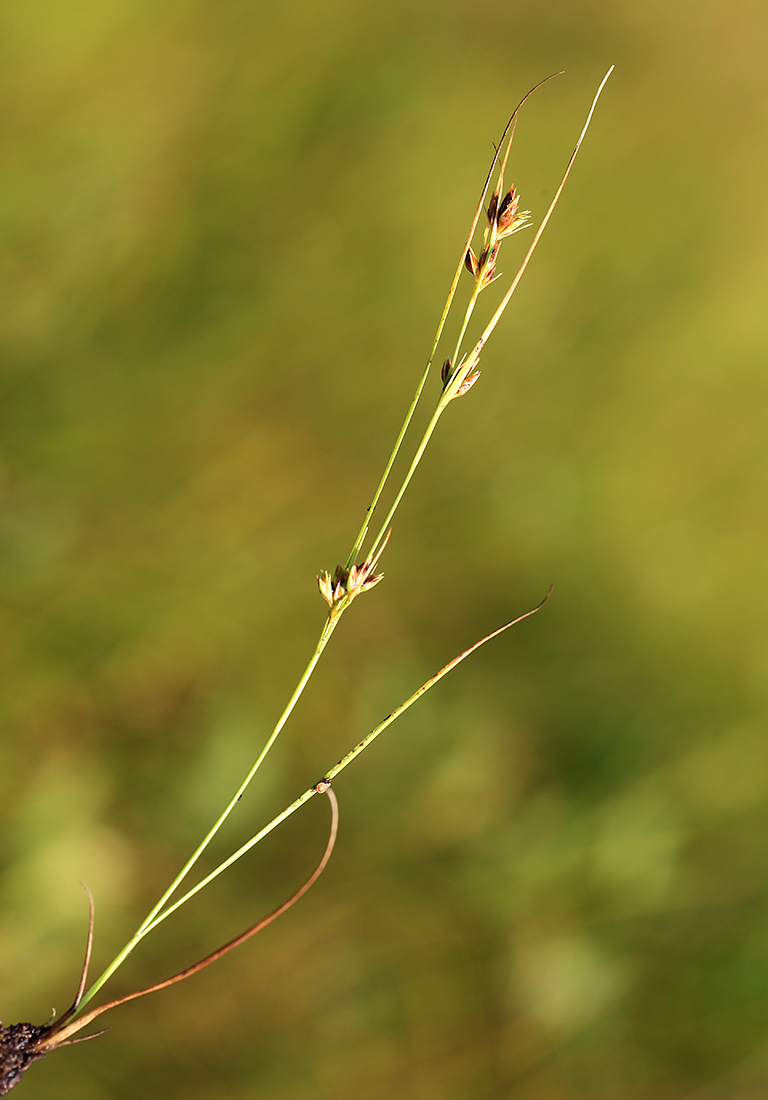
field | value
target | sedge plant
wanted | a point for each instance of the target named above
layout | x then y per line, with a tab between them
21	1044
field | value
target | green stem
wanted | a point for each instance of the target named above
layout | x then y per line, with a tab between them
467	315
411	471
390	463
441	325
156	917
152	919
340	766
445	398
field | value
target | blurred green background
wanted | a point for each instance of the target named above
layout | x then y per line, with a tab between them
228	231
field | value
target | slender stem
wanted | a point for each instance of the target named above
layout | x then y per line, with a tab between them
411	471
334	771
391	461
441	325
241	851
59	1034
444	400
412	407
343	763
467	315
152	918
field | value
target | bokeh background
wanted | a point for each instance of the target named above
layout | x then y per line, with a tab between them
228	230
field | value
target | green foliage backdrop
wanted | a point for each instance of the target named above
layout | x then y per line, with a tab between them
228	230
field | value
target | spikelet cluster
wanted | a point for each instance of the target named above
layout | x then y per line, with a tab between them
504	218
339	590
